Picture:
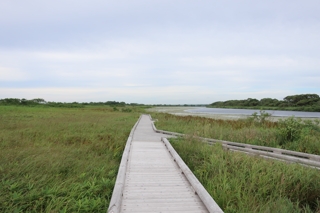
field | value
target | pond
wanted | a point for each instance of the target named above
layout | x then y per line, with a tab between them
246	112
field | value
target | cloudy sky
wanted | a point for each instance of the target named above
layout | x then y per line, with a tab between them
166	51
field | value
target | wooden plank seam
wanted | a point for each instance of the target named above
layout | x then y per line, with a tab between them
115	202
198	188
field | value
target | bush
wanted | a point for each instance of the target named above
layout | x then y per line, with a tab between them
299	135
289	130
255	117
126	110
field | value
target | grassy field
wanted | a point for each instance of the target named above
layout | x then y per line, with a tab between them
66	160
291	133
60	160
243	184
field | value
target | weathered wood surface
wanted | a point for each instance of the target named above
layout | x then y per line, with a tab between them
116	199
205	197
154	181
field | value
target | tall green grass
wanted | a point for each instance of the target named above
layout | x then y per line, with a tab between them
60	160
241	183
293	134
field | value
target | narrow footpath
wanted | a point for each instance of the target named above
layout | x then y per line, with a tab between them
154	182
153	178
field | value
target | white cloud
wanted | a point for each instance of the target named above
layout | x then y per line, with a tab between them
252	62
151	95
159	51
11	74
140	94
90	53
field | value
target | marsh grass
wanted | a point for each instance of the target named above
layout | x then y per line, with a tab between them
242	183
59	159
293	134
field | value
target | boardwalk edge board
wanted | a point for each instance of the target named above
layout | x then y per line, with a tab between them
115	202
206	198
263	151
194	187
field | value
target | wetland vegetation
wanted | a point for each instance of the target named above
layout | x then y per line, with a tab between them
61	159
290	133
65	159
243	183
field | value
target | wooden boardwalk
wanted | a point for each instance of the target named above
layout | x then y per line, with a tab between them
154	180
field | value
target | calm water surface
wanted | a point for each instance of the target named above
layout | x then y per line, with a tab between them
275	113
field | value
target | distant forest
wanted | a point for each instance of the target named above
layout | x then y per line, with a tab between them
302	102
42	102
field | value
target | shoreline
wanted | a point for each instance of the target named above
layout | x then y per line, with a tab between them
182	111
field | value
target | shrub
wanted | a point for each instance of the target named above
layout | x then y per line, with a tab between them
289	130
126	110
259	118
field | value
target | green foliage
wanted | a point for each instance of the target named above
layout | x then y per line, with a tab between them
303	102
300	135
271	102
290	129
43	103
242	183
115	103
63	105
126	110
23	102
259	118
291	133
60	159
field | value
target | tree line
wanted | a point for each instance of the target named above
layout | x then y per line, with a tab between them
301	102
42	102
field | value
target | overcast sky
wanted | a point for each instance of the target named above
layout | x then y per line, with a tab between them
168	51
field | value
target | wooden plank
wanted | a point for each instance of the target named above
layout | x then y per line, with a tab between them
116	199
153	182
279	156
282	154
208	201
163	208
172	201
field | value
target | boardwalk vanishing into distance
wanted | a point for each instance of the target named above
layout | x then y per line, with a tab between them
153	178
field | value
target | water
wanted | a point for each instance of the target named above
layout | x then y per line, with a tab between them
275	113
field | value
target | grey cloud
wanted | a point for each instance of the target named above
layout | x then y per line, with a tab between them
190	50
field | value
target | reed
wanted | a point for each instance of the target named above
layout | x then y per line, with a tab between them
292	133
60	159
242	183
